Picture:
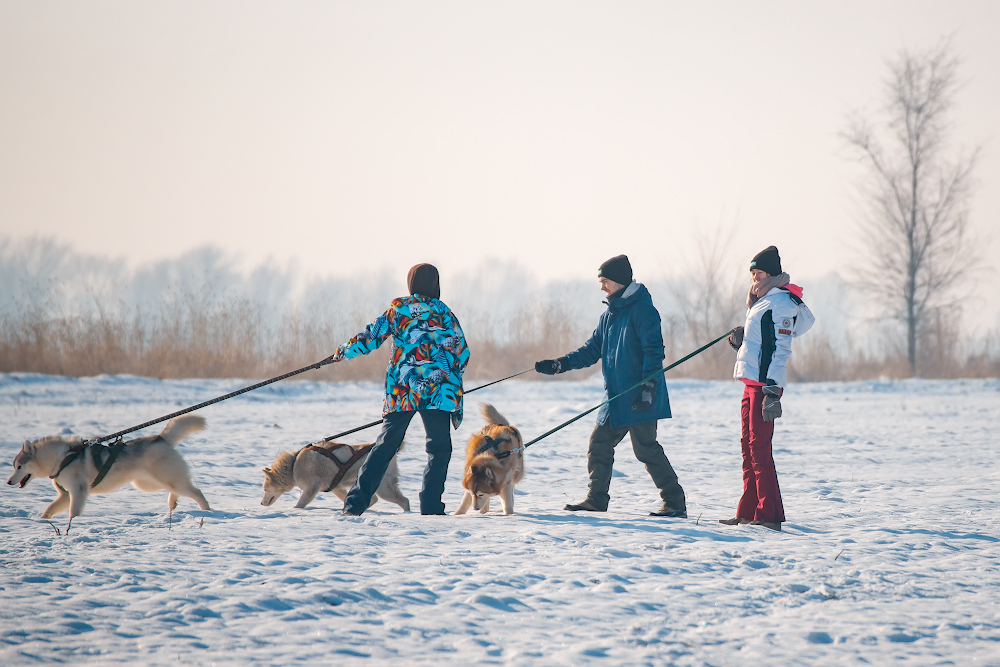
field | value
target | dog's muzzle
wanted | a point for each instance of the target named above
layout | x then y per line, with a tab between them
20	484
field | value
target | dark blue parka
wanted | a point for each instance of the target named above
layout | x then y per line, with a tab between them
629	343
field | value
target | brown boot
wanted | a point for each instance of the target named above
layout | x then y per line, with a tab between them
773	525
735	521
669	511
583	506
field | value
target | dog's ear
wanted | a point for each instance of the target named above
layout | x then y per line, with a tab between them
27	447
490	475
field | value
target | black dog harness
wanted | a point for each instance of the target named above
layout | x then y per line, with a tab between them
342	466
97	453
494	443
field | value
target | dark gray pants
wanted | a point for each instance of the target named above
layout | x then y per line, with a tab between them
601	457
437	425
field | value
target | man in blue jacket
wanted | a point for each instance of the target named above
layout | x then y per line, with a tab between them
629	344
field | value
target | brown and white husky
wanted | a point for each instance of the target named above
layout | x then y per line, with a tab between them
324	465
494	463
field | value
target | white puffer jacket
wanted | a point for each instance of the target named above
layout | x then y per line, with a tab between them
772	322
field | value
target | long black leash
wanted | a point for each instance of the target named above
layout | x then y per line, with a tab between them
115	448
119	434
376	423
637	384
97	449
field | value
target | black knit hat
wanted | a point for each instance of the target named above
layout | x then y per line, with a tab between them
423	279
617	269
767	260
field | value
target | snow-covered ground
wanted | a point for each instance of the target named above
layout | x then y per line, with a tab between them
891	551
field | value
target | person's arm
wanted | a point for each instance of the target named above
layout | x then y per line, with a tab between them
368	340
586	355
651	338
461	348
647	326
783	321
804	320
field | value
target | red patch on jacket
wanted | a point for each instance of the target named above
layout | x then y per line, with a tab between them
787	332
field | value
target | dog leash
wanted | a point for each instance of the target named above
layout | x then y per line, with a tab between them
636	385
119	434
376	423
116	447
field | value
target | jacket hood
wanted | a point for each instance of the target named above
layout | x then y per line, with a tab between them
794	289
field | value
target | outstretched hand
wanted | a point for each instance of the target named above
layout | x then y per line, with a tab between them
548	366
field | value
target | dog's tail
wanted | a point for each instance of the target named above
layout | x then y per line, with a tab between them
179	428
492	416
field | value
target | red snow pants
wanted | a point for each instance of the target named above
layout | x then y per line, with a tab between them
761	499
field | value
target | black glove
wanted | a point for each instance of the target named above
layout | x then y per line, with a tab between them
548	366
644	399
736	338
772	403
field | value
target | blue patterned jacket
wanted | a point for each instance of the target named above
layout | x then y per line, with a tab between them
429	355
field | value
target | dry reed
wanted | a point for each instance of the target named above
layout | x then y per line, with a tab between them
51	322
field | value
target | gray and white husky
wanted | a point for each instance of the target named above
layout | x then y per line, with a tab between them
313	471
151	463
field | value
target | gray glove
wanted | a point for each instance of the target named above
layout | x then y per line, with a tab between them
736	338
772	403
644	399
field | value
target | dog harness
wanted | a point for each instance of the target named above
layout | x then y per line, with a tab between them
97	454
342	467
494	443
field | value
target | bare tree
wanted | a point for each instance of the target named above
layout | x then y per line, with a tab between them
917	242
709	300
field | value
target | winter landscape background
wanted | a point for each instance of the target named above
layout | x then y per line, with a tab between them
196	196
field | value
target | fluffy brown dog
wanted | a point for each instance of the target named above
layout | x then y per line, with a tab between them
494	463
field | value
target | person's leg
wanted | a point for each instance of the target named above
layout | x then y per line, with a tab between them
769	507
748	501
600	459
437	424
359	498
651	454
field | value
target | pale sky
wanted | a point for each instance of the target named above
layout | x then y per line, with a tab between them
348	137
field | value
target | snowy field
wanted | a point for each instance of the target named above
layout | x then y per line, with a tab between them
891	552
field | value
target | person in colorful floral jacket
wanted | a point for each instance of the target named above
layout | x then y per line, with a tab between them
429	356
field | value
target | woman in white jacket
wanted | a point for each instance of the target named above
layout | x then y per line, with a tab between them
775	315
